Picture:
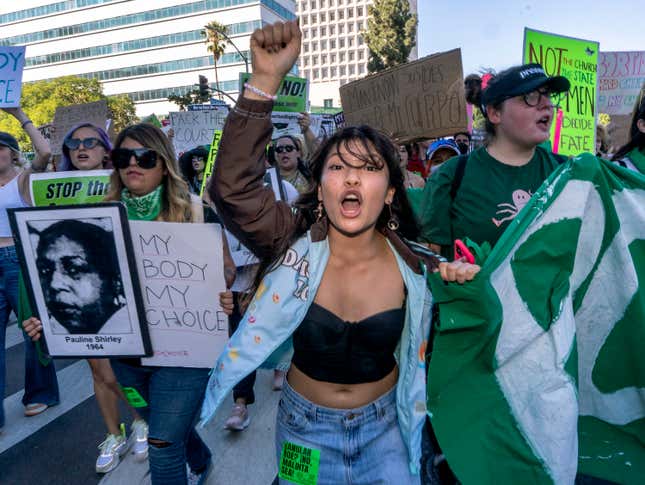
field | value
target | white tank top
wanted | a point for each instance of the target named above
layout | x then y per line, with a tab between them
9	199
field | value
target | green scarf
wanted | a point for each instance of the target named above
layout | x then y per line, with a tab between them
144	208
637	157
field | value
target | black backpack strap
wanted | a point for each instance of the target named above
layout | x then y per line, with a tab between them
459	175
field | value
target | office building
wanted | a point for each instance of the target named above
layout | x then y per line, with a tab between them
333	50
145	49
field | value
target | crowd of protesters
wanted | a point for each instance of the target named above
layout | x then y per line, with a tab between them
343	359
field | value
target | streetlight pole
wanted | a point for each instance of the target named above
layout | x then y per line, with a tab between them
225	94
246	61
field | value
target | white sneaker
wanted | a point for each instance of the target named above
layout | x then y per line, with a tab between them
112	449
139	439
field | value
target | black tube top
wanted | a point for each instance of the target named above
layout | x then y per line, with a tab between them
329	349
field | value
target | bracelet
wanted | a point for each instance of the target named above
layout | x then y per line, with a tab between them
25	123
259	92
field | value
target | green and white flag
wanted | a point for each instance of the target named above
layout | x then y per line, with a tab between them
537	369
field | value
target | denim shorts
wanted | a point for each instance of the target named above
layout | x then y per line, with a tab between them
357	446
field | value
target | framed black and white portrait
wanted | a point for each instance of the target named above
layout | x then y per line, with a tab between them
79	270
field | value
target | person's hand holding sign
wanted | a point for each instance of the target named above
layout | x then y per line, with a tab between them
274	50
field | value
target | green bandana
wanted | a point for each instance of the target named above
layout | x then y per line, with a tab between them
638	159
145	208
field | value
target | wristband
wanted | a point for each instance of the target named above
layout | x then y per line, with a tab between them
259	92
25	123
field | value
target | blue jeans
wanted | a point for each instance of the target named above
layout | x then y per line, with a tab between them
174	397
357	446
41	385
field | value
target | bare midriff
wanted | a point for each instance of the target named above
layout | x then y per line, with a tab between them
340	396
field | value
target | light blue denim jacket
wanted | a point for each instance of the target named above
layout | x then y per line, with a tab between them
281	304
250	211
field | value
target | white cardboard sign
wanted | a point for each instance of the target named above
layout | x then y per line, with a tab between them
12	62
181	271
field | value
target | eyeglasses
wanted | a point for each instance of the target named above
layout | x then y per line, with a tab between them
533	98
145	158
88	143
285	148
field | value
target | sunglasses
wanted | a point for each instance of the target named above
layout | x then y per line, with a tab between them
145	158
88	143
285	148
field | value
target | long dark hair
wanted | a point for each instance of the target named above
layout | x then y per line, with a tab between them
370	141
636	136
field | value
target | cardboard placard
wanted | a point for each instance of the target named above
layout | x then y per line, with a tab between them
69	188
620	77
293	93
181	269
195	128
12	62
577	60
420	99
67	117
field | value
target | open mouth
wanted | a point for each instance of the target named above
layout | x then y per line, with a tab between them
351	204
544	122
83	157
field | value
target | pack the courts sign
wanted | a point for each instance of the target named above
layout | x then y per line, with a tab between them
420	99
12	62
577	60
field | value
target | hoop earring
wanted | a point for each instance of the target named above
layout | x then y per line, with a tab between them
393	221
319	211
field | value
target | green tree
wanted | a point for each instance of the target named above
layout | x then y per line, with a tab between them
41	98
191	97
390	34
216	35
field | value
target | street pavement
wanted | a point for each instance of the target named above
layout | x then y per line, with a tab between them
59	446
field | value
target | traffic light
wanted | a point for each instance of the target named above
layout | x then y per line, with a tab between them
204	88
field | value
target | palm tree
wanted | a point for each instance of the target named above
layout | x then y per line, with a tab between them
216	35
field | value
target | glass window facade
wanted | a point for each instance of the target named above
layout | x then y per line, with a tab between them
50	9
132	45
160	94
149	16
169	66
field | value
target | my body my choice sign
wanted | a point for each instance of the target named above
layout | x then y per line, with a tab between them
577	60
12	62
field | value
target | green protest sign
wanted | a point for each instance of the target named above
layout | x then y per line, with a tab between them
68	188
210	163
577	60
292	93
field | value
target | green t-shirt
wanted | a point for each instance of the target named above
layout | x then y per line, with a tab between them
490	196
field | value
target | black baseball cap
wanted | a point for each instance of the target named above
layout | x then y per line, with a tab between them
521	80
6	140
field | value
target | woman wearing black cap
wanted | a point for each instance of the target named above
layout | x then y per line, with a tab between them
14	192
477	196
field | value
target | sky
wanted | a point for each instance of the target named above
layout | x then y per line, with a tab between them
490	33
